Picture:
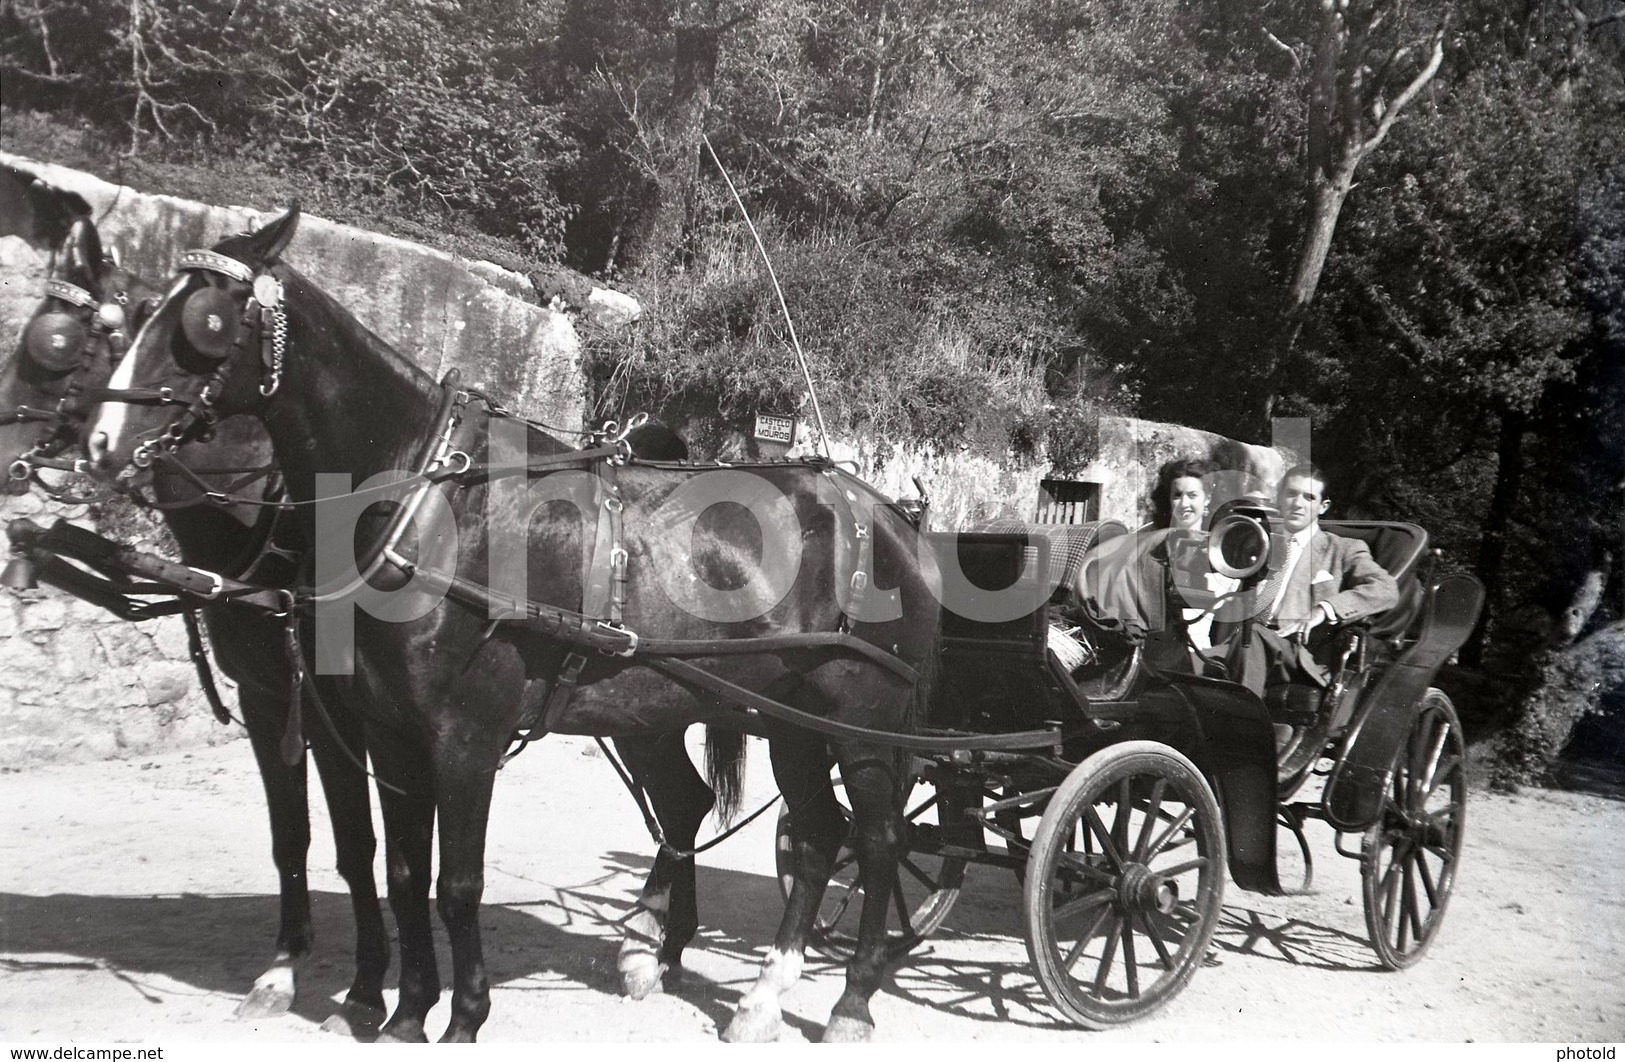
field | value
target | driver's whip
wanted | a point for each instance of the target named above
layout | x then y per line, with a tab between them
823	436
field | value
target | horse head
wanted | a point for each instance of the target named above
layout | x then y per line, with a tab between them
77	333
210	349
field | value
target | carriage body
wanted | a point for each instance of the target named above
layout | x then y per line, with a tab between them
1138	727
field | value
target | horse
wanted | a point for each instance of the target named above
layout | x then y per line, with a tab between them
68	347
443	684
67	350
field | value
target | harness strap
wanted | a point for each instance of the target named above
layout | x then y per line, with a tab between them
652	824
296	668
200	660
751	701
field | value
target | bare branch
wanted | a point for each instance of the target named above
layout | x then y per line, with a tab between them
1291	53
1418	83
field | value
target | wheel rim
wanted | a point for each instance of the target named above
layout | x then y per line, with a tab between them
1412	852
923	889
1131	890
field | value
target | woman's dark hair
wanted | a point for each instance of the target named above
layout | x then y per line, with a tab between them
1162	510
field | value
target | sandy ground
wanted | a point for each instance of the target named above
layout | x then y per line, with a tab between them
137	903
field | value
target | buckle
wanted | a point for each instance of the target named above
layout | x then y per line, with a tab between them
219	583
630	635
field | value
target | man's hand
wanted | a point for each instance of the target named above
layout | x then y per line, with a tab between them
1300	629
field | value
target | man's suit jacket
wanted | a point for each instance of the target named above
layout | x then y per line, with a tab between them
1344	576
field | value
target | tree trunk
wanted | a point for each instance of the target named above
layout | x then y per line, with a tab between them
1492	547
697	47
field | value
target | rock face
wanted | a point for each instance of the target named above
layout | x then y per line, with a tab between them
77	683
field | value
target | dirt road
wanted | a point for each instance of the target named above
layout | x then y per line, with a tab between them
137	903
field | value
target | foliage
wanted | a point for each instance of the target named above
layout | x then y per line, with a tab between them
991	220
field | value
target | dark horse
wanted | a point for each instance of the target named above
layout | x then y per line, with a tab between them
442	692
68	347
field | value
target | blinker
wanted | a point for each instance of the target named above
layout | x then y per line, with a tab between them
54	341
209	320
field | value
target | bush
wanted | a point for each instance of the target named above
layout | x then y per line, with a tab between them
888	364
1572	684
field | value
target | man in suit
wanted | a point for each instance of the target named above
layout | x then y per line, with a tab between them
1325	581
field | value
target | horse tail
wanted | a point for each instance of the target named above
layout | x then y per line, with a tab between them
725	769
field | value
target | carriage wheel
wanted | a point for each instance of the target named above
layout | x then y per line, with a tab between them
1125	884
924	888
1409	857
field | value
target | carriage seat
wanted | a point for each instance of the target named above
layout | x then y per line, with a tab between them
1067	544
1398	547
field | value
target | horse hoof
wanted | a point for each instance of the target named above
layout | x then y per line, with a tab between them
355	1020
753	1027
401	1036
847	1031
271	995
643	981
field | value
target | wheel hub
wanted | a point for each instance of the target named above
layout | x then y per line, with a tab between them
1142	889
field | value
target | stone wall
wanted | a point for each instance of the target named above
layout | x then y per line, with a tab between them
77	683
969	490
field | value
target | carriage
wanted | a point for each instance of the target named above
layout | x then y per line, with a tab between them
1145	780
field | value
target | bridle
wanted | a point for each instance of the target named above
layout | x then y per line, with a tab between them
108	320
205	323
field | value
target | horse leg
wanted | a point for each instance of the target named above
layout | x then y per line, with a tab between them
816	829
350	809
264	713
871	787
408	836
667	915
465	770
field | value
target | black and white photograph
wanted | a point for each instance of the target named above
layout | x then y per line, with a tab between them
1060	522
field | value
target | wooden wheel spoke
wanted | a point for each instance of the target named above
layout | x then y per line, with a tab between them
1428	886
1078	906
1153	811
1186	867
1407	904
841	906
923	806
1080	865
1161	842
1083	940
1390	890
1108	956
1442	770
1098	829
1125	810
1157	942
904	915
925	879
1131	969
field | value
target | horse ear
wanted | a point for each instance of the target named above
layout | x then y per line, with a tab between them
274	238
83	248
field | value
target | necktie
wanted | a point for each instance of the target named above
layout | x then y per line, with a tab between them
1275	602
